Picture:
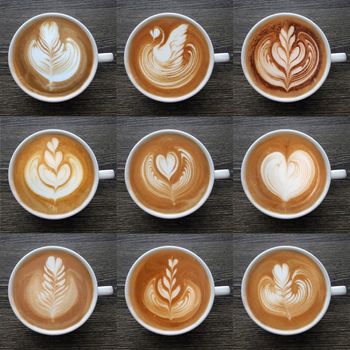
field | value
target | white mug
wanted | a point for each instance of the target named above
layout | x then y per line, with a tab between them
330	57
214	174
330	175
214	291
97	291
331	291
98	58
214	57
99	174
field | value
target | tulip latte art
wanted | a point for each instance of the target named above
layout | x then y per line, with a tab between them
53	56
286	290
286	57
169	173
169	290
169	57
52	290
53	174
285	173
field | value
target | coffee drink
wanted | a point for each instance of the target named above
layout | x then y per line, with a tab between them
169	173
286	290
169	289
286	57
53	56
169	57
52	290
53	173
285	173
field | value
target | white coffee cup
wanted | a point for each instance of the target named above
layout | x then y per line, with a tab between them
214	291
331	291
330	57
97	291
330	175
213	57
99	174
98	58
214	174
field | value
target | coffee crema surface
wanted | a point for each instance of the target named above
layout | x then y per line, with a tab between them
169	57
286	290
286	57
285	173
169	290
53	174
52	290
53	56
169	173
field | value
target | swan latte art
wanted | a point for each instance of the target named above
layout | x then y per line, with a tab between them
169	289
53	173
169	173
52	290
285	173
286	57
169	57
286	290
53	56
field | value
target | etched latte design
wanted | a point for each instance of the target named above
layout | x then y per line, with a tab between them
56	176
289	177
52	58
287	294
52	293
162	60
170	299
289	60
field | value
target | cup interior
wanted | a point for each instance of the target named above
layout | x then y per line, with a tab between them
49	331
38	213
277	98
52	98
244	174
246	276
154	212
162	331
127	53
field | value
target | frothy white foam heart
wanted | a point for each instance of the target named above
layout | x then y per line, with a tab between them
167	298
288	178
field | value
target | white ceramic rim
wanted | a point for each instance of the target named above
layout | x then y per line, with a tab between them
59	98
286	99
275	330
154	212
87	199
270	212
162	331
178	98
43	330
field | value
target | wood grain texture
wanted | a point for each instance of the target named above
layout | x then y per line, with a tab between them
216	213
333	214
216	99
333	331
99	215
99	16
216	330
334	19
100	330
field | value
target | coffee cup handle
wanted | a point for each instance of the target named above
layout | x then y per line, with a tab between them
338	57
106	290
338	290
222	174
338	174
105	57
221	57
106	174
222	290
